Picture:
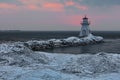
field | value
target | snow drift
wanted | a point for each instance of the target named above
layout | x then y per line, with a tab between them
17	62
19	55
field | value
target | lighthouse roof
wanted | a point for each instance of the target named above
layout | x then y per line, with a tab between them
85	17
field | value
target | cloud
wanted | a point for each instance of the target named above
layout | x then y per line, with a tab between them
32	7
69	3
7	6
76	5
10	2
99	3
28	2
42	5
53	6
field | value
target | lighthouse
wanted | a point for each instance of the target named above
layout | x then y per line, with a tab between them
85	30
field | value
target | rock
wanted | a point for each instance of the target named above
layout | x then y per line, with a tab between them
71	41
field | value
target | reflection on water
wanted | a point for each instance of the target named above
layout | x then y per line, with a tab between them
110	45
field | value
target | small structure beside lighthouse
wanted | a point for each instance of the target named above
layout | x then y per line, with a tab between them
85	30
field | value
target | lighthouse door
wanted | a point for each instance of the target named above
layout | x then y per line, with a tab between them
84	32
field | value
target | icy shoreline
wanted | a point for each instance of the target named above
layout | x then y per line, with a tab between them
71	41
47	66
38	45
17	62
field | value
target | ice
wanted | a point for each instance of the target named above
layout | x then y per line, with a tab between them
87	64
71	41
18	62
19	55
92	37
12	47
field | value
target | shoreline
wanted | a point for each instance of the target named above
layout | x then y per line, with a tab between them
18	62
42	66
36	45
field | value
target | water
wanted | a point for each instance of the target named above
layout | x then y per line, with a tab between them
110	45
112	40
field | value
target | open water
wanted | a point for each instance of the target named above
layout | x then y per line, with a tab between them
111	38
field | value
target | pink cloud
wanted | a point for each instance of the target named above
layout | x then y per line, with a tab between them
69	3
53	7
42	5
32	7
30	4
72	3
8	6
27	2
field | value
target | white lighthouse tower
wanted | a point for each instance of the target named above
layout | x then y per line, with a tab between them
85	30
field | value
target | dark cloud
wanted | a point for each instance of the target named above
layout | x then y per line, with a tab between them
83	2
11	2
98	2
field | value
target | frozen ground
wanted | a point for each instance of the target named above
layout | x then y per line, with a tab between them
18	62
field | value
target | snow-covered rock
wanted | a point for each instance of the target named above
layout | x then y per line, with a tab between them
86	64
100	66
18	62
11	47
71	41
16	54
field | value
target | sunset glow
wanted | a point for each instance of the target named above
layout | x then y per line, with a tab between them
62	12
7	6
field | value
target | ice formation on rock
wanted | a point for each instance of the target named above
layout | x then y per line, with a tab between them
18	62
71	41
19	55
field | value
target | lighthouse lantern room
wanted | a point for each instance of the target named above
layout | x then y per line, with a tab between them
85	30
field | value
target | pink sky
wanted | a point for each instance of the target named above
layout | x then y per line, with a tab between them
57	15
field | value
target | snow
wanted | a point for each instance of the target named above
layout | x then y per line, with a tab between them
18	62
71	41
90	37
19	55
11	47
